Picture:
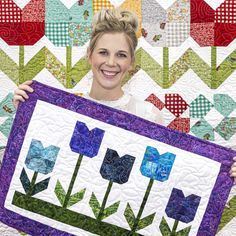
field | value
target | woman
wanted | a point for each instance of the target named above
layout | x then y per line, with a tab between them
111	55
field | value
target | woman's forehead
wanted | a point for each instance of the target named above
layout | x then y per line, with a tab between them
115	41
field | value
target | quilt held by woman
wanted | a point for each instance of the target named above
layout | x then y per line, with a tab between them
185	63
76	167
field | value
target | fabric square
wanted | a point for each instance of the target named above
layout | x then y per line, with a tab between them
152	98
175	104
176	33
100	4
179	12
79	34
58	33
200	107
10	12
202	129
225	33
153	23
224	104
203	33
201	12
34	11
226	12
180	124
227	127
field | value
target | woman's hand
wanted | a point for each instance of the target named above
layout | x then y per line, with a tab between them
20	94
233	170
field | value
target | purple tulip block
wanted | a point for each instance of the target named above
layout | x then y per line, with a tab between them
182	208
86	142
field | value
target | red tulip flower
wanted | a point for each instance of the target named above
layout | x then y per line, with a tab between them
22	26
211	27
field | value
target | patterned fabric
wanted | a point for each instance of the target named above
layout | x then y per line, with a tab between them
176	33
203	33
99	4
180	124
155	101
175	104
9	12
58	33
203	130
226	13
200	107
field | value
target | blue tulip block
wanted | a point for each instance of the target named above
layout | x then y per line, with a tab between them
116	169
86	142
40	159
156	166
182	208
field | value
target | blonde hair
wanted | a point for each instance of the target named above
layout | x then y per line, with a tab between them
114	21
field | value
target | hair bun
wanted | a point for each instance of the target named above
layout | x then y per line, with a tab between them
116	14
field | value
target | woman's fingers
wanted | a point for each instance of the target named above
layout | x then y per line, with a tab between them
18	98
20	94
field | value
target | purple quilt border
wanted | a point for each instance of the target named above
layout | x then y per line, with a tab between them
120	119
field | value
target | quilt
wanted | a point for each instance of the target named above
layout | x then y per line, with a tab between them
76	167
185	63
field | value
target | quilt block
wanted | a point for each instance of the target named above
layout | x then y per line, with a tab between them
76	167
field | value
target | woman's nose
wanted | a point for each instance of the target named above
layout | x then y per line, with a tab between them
111	61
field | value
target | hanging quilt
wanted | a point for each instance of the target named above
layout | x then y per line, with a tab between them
76	167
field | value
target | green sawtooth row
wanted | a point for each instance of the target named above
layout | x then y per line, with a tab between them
165	76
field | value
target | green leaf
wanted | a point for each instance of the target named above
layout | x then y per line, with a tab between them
40	186
110	210
9	67
60	192
35	65
95	205
76	197
228	214
164	227
129	215
145	221
184	232
25	180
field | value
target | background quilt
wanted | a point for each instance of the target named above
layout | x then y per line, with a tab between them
185	62
80	167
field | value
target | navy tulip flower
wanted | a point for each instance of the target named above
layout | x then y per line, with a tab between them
40	159
86	142
115	168
182	208
156	166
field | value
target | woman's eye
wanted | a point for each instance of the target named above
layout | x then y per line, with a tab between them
121	55
103	52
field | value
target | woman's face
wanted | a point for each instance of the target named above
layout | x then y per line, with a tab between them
110	61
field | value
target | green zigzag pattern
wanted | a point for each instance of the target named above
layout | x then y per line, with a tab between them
165	76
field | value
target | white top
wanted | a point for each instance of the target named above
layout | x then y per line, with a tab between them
130	104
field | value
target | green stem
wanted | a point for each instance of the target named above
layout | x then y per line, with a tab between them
214	83
32	183
100	215
72	181
148	190
68	66
165	67
21	64
173	232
